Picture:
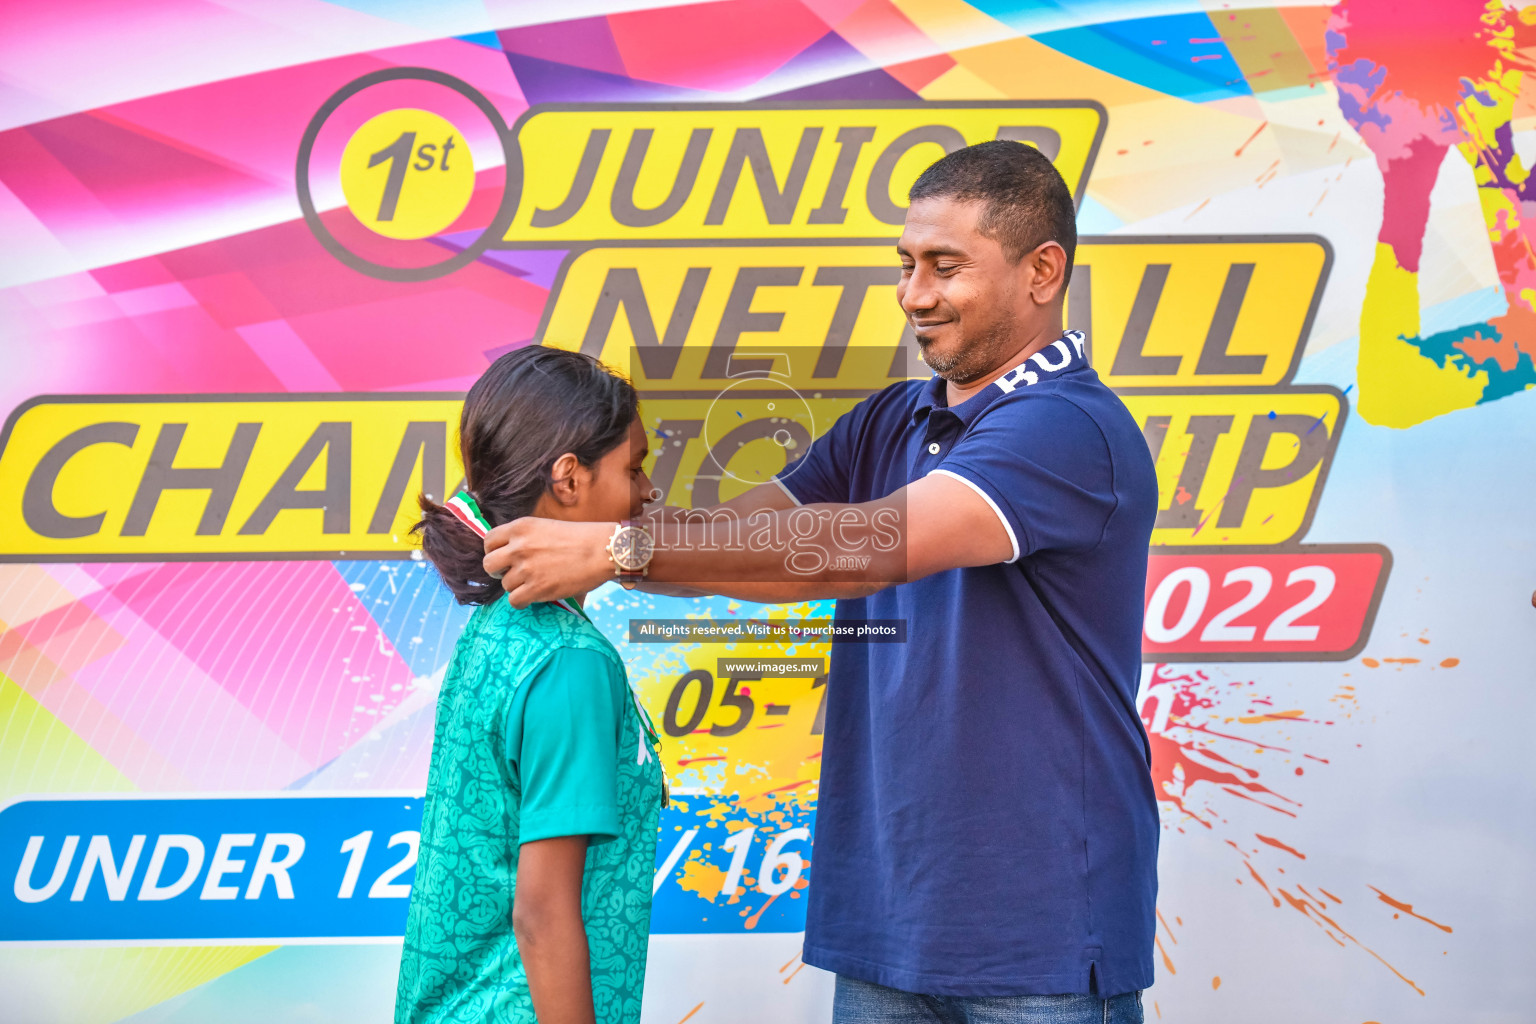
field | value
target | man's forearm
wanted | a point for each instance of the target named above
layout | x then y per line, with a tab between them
772	553
802	553
765	593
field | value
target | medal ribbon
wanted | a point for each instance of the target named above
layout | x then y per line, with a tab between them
466	511
646	724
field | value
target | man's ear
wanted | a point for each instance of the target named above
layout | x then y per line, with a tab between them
1046	272
566	479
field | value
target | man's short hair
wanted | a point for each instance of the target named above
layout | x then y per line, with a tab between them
1025	200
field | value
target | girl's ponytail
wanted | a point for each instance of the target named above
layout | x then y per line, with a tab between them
457	552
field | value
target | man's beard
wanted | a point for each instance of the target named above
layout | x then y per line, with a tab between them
974	356
941	365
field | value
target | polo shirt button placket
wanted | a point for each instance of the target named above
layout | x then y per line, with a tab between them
933	449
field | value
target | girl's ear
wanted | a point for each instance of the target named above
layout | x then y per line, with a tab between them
564	479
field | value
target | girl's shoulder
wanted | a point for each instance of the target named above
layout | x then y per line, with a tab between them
504	644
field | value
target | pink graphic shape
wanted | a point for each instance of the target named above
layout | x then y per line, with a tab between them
715	46
288	640
286	355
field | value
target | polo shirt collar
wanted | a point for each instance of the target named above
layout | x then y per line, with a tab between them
1065	354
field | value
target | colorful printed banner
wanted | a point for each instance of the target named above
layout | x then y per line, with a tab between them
255	253
307	867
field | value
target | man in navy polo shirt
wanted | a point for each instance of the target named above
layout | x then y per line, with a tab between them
987	830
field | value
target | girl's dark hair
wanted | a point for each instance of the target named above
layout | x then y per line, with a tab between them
532	406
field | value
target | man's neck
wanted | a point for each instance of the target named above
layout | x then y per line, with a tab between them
956	393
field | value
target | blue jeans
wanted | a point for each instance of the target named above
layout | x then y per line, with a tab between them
860	1002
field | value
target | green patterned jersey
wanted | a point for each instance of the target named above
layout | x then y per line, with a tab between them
537	736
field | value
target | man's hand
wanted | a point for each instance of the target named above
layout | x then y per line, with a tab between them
547	559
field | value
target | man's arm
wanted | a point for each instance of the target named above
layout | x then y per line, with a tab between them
762	498
771	554
770	497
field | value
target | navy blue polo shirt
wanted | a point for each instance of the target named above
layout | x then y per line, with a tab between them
987	824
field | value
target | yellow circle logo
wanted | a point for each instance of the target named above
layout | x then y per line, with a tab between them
407	174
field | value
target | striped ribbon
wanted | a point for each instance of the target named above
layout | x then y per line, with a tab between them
464	509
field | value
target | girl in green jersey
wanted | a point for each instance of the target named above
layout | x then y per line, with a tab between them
532	897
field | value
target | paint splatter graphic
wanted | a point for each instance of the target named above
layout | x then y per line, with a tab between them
1213	742
724	858
1410	112
744	755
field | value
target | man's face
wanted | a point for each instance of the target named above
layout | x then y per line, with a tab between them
959	291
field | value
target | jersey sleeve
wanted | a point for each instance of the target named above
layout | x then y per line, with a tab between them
563	748
1044	467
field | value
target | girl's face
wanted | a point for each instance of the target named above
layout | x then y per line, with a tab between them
615	487
619	486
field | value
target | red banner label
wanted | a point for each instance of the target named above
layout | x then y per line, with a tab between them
1312	603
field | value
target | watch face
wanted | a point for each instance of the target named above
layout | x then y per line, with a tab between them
632	548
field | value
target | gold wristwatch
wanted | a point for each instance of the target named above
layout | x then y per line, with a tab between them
630	549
